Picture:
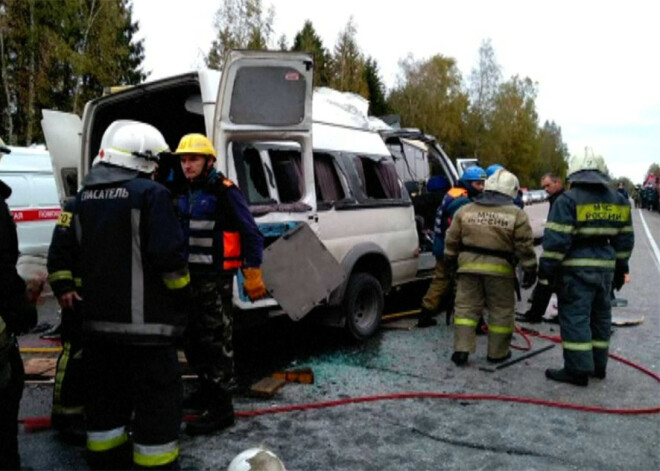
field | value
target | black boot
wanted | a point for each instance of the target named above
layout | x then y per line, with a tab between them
196	402
529	317
426	318
599	373
460	358
120	457
565	376
219	415
499	360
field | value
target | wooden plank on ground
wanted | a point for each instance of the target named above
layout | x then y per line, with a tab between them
267	387
40	367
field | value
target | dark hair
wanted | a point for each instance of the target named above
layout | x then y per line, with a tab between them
552	176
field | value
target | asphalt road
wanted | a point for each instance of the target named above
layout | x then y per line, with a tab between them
426	433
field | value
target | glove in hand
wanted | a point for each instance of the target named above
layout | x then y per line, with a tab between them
451	265
619	279
254	285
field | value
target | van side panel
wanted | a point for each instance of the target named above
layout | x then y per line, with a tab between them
391	229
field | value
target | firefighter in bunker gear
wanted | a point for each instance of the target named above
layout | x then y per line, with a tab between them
135	278
221	237
17	315
64	276
587	242
470	185
482	242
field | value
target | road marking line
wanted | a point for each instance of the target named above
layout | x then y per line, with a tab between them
654	246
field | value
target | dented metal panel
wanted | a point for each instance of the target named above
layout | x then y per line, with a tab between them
299	272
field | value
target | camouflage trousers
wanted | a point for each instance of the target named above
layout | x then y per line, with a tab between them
208	339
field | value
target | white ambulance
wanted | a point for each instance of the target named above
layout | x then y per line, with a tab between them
34	201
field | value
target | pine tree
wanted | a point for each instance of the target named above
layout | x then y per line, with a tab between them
377	103
347	64
60	55
306	40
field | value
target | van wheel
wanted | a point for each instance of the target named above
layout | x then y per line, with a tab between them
363	305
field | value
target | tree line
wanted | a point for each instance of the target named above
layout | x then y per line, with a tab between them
482	116
59	54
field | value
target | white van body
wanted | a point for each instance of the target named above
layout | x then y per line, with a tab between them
274	151
33	203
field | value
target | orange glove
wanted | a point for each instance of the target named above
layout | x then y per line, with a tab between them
254	285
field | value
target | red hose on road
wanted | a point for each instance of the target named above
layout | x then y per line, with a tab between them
31	424
475	397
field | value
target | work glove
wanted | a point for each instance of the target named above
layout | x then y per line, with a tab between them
254	285
451	265
529	278
619	279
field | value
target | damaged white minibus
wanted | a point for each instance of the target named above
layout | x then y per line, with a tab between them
307	179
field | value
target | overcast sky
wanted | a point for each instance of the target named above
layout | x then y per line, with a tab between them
596	63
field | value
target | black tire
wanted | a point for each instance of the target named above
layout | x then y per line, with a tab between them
363	305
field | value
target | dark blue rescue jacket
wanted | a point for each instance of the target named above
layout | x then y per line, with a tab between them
64	266
589	227
132	262
219	228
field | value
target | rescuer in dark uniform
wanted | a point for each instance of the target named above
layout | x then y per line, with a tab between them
469	185
222	237
64	276
587	242
17	315
135	281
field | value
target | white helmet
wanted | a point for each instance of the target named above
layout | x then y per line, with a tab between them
503	182
133	145
589	161
256	459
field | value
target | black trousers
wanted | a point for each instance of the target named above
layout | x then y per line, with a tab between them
126	379
10	398
540	299
69	388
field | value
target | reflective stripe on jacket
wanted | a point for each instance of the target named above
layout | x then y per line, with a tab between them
589	226
443	218
64	269
131	252
220	232
482	232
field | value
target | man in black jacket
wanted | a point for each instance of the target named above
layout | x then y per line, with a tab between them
135	278
553	186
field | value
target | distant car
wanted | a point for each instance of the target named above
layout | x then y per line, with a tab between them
527	197
537	196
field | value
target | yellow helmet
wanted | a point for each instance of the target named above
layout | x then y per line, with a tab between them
195	144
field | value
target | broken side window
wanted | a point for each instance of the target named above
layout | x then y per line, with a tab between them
287	169
251	174
326	180
379	178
